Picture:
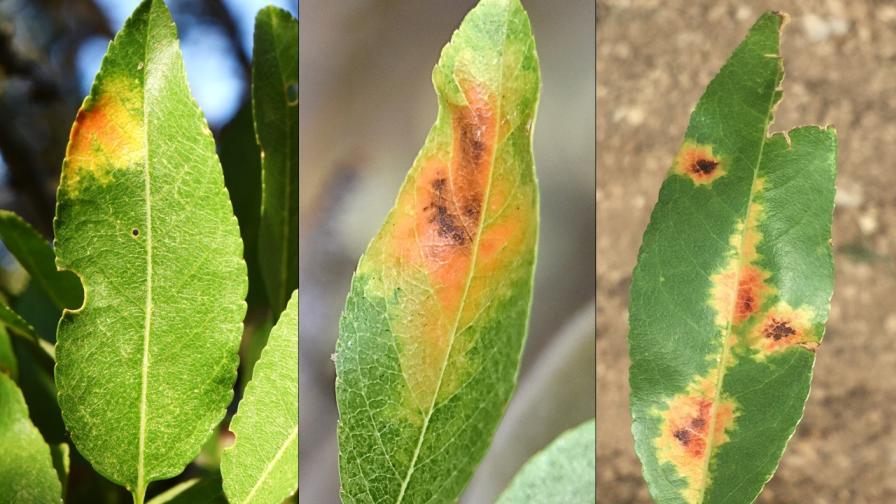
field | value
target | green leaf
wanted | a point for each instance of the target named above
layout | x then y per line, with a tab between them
146	368
262	466
204	490
563	472
61	455
8	362
241	162
13	321
434	324
35	255
275	107
732	288
26	468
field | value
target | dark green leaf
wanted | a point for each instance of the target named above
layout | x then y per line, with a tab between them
36	256
732	288
275	106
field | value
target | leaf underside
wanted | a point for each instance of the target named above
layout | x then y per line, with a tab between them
26	467
262	466
732	288
562	472
145	368
436	318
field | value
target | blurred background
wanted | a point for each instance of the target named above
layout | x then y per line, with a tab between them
50	51
367	103
654	59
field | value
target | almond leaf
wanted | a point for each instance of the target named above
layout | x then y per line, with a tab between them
26	467
732	288
436	318
262	466
145	368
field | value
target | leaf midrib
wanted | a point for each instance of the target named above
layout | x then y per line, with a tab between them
147	324
720	380
270	466
470	271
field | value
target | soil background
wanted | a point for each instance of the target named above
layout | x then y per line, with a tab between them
654	59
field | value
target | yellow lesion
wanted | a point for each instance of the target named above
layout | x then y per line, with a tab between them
107	134
741	287
692	428
697	162
783	327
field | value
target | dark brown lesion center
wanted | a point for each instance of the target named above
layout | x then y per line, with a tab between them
779	329
448	224
704	166
683	435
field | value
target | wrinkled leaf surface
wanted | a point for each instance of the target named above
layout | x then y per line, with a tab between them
436	318
145	369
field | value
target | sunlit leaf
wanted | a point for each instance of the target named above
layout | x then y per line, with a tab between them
262	466
146	368
26	468
561	473
436	318
732	288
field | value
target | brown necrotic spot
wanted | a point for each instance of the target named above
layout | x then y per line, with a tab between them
783	327
697	162
448	225
778	329
135	232
704	166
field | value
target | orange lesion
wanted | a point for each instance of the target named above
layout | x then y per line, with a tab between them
434	234
694	424
738	292
741	288
783	327
697	162
107	133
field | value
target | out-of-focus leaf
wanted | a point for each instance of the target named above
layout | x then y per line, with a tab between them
60	454
561	473
253	345
26	468
241	162
145	369
37	309
36	256
13	321
203	490
275	107
36	383
434	324
8	362
262	466
732	288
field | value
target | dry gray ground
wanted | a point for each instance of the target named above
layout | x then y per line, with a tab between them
654	60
